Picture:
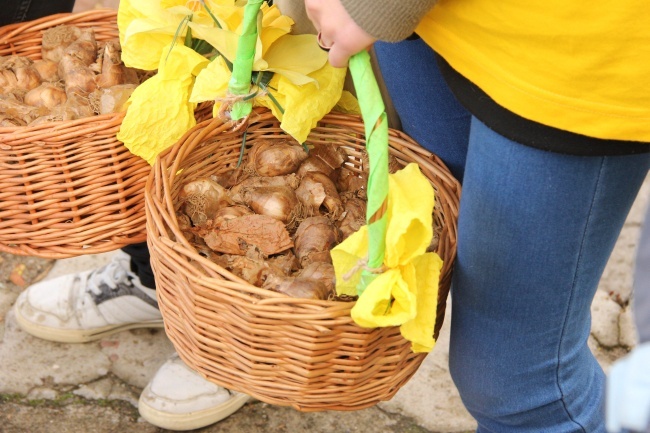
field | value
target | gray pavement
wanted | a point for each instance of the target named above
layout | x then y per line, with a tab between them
94	387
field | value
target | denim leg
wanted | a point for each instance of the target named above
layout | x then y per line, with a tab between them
26	10
429	112
535	231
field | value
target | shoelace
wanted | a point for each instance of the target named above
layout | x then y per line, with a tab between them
108	275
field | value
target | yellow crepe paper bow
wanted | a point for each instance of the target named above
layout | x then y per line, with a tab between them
405	294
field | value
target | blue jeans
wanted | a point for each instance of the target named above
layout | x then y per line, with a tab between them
428	111
26	10
535	231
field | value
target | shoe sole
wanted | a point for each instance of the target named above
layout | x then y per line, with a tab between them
192	420
78	335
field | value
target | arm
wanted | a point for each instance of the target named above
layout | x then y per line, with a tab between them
349	26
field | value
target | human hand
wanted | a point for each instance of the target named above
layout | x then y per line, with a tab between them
337	31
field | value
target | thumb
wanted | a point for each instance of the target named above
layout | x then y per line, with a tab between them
339	57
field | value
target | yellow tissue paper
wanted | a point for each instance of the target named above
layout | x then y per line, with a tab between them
304	105
159	111
146	27
274	26
304	84
420	330
213	80
294	56
405	294
387	301
348	104
410	217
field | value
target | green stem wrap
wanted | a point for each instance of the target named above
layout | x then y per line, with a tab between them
376	129
242	67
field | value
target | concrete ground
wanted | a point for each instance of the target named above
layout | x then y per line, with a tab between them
94	387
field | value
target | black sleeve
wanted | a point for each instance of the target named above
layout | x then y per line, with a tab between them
14	11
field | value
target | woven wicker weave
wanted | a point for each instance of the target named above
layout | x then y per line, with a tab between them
70	187
308	354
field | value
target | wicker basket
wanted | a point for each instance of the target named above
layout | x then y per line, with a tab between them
68	188
308	354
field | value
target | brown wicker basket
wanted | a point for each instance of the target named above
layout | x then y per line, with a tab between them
70	187
308	354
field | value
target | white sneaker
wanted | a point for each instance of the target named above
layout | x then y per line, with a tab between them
83	307
178	398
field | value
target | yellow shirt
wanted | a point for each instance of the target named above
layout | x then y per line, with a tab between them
581	66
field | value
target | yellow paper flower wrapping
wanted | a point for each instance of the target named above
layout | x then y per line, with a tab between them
147	27
162	105
160	110
406	293
304	105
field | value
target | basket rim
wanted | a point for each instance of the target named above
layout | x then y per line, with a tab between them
12	30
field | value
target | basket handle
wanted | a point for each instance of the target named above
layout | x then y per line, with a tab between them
375	122
374	119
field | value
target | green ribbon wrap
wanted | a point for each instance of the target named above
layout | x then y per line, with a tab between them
242	67
376	130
